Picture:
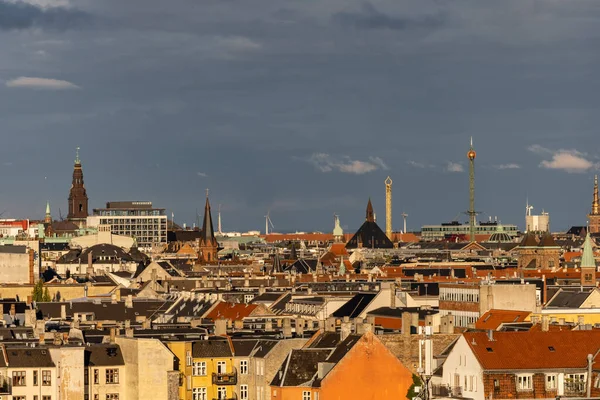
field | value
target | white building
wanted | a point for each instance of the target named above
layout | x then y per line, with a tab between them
137	219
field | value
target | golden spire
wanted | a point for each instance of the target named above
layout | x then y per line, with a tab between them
596	202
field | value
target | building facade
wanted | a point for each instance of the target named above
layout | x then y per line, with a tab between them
137	219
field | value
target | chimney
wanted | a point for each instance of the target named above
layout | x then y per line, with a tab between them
129	301
345	330
90	268
490	335
269	325
113	335
261	290
113	298
221	327
129	332
406	320
330	324
299	327
392	295
42	339
127	324
63	312
545	323
287	328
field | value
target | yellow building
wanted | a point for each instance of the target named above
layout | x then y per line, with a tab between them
183	352
206	369
580	306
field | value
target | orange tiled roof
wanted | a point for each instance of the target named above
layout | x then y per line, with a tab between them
232	311
533	349
493	318
338	249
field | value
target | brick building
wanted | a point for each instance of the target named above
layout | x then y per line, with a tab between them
519	365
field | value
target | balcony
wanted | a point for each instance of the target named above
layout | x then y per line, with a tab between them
446	391
575	388
233	396
227	378
5	387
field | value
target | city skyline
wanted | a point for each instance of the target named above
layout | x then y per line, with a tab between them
302	111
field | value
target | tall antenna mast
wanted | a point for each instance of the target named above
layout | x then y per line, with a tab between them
472	213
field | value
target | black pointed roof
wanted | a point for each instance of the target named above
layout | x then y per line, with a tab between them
207	235
370	235
529	240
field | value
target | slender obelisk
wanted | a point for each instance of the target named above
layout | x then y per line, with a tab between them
388	208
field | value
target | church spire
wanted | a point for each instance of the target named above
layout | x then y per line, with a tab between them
78	199
370	213
208	243
595	202
48	217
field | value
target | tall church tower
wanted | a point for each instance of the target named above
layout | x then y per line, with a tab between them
594	216
78	199
208	243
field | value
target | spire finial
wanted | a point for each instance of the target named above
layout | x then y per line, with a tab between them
207	193
77	160
596	201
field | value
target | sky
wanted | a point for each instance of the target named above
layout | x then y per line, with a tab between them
302	108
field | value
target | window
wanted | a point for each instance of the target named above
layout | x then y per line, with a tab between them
524	382
18	397
496	385
260	392
199	393
199	368
316	395
575	383
188	358
305	395
96	377
96	396
86	376
18	378
243	392
46	397
221	392
259	367
35	378
221	368
112	375
112	396
244	367
551	382
46	377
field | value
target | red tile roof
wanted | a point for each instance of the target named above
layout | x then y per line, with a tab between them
232	311
534	349
493	318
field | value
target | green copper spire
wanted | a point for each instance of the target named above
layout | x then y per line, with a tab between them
47	208
587	258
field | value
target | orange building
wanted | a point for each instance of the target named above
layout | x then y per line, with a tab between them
357	367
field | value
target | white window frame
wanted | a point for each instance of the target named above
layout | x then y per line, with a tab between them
188	358
551	381
244	367
199	393
243	392
524	382
306	395
221	392
199	368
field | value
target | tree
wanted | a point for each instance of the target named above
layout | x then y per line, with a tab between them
38	291
46	296
411	390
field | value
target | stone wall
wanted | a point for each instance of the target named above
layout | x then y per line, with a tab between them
406	348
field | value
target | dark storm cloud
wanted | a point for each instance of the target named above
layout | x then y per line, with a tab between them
370	18
20	15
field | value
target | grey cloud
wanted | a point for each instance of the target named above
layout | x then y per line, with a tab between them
370	17
20	15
